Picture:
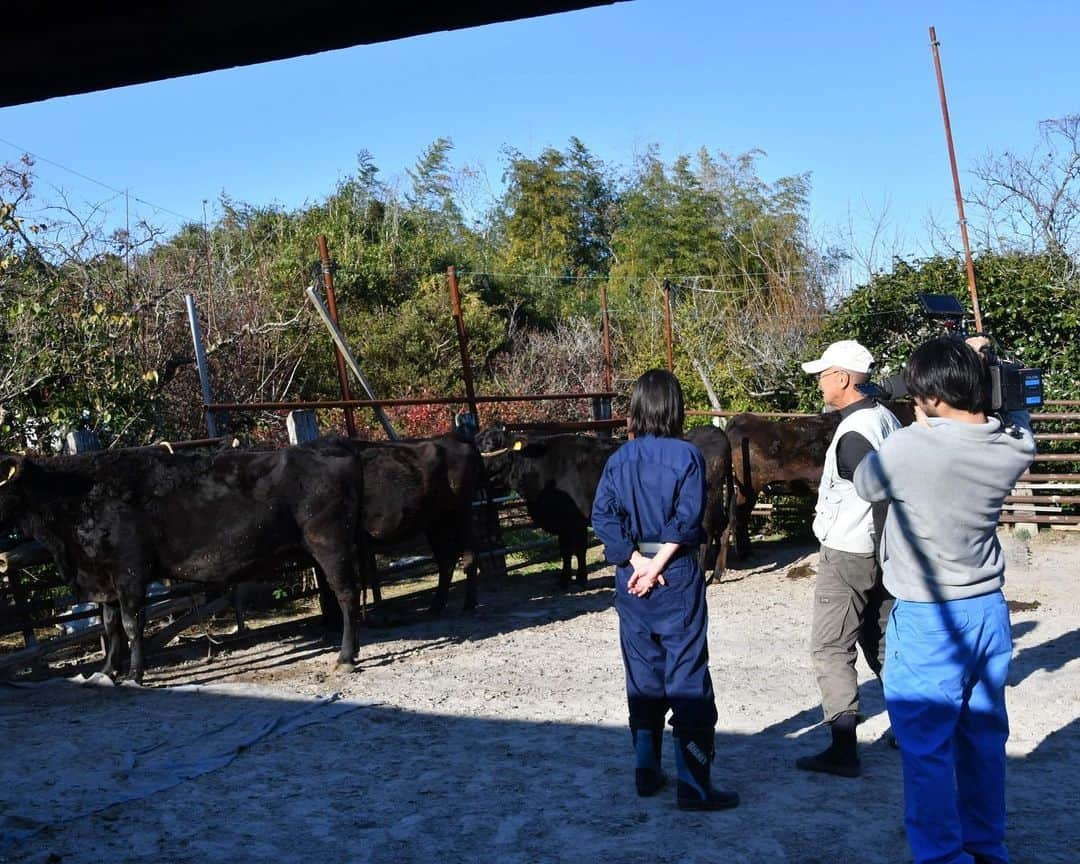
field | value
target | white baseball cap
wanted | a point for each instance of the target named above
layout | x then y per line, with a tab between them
845	354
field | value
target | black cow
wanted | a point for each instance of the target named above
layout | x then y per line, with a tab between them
116	521
785	455
424	486
556	475
716	449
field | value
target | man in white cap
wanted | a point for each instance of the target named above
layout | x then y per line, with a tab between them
851	606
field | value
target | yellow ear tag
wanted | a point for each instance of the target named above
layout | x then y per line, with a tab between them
517	446
11	473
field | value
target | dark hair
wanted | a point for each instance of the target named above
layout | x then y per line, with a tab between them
949	370
656	405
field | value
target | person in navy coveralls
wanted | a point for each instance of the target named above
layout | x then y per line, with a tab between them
647	511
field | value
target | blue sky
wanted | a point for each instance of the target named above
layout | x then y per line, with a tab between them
845	91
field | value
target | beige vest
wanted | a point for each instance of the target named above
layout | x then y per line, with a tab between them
842	519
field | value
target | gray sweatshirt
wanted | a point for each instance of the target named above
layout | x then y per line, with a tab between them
945	485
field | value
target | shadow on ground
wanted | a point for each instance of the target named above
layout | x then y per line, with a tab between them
232	775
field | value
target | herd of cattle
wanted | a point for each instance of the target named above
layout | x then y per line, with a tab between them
116	521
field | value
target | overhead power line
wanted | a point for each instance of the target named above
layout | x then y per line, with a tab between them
126	192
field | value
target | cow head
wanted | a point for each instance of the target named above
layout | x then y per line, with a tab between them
499	446
494	437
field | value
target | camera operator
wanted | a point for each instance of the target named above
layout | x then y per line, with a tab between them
850	605
949	642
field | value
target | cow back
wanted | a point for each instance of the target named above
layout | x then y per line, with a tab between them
788	452
557	475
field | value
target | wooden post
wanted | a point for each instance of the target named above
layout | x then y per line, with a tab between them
302	425
969	265
331	303
81	441
607	341
667	327
463	342
339	340
1032	528
601	410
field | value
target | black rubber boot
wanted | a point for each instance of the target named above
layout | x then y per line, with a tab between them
841	757
694	753
648	776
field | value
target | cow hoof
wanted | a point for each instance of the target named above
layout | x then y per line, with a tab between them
344	667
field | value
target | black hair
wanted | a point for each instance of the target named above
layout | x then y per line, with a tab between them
950	370
656	405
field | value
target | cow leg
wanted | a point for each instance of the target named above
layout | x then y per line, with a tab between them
328	600
707	558
338	571
444	548
371	577
115	642
721	558
566	547
133	616
468	561
581	547
741	508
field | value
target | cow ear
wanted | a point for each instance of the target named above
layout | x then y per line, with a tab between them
10	466
518	445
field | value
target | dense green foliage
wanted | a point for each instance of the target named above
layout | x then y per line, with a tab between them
1031	314
93	330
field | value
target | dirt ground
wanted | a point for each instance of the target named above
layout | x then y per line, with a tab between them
499	736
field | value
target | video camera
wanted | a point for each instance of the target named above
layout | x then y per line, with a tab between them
1012	386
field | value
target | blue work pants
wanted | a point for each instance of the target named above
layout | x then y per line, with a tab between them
945	692
665	649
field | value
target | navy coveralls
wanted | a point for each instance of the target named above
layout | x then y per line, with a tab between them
653	490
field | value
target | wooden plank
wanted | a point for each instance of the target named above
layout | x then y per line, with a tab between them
199	612
1042	499
1040	518
26	656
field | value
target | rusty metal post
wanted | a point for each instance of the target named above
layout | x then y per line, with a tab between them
463	341
607	336
667	326
331	303
969	264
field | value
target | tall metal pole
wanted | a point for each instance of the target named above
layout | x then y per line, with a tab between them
463	341
607	336
956	185
331	302
200	362
667	326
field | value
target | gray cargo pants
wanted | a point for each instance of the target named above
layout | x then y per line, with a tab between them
851	607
